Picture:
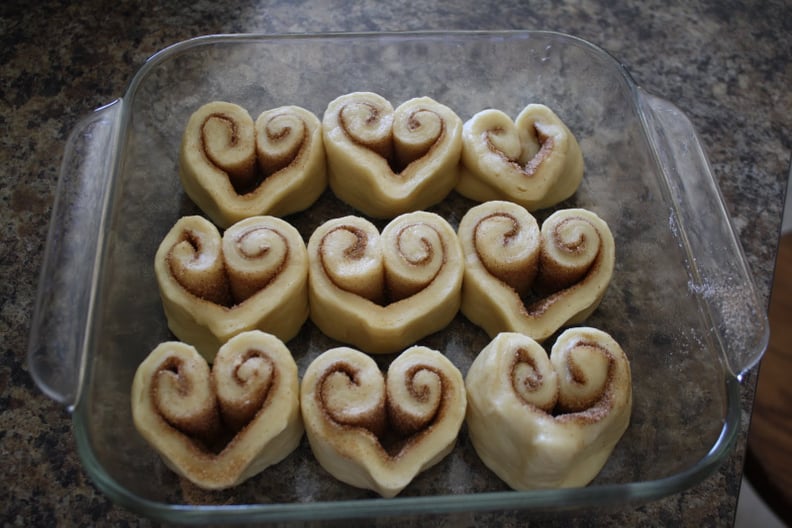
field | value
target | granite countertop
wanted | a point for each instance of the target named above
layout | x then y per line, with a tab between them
726	65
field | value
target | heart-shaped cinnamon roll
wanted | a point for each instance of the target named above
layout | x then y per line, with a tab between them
233	168
377	433
541	422
382	293
384	162
212	288
534	161
519	278
219	427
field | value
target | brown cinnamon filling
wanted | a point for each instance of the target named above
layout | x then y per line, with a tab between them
259	251
519	278
230	123
530	382
394	429
555	282
597	406
384	146
237	414
269	165
590	411
381	145
248	179
390	293
243	177
373	116
547	145
529	169
247	283
218	289
358	249
545	293
570	246
427	254
216	427
204	286
201	428
406	424
405	430
401	161
398	290
373	421
173	365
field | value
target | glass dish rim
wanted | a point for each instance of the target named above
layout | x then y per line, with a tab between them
538	500
575	498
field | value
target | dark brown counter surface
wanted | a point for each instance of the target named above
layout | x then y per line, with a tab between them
725	64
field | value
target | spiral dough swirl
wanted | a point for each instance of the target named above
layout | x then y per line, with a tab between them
416	129
228	136
533	379
414	397
281	134
228	270
234	168
243	382
352	393
508	244
378	432
414	253
351	257
254	252
195	260
386	162
368	122
534	161
383	292
351	390
183	395
585	375
401	262
253	277
219	426
558	418
570	246
519	278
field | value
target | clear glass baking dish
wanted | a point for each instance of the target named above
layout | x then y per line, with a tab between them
682	302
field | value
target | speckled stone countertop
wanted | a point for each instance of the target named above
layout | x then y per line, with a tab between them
725	64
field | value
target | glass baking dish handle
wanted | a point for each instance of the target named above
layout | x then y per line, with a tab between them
718	272
56	348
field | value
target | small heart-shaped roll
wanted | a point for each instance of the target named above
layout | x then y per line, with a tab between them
520	278
212	288
541	422
219	427
377	433
384	162
233	168
382	293
534	161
